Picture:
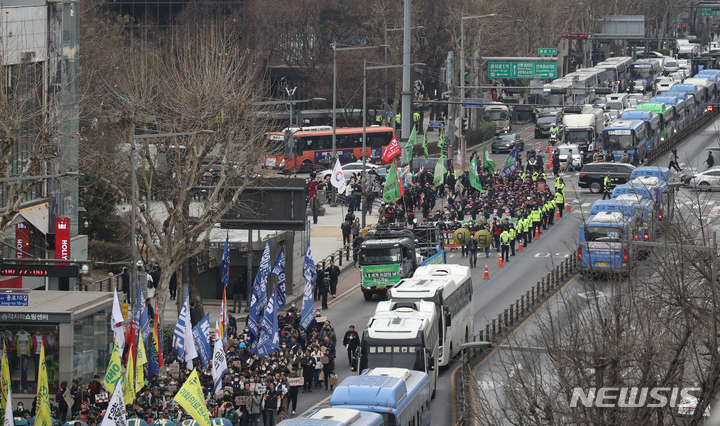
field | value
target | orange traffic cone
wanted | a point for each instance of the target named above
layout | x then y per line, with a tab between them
533	146
487	273
520	248
537	232
548	150
557	214
500	262
548	164
568	207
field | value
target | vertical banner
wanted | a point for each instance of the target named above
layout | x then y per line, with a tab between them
22	240
62	239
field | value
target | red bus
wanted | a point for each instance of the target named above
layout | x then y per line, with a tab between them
312	146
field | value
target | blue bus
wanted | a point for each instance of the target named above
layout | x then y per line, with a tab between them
696	91
626	135
654	121
682	116
628	207
709	82
644	73
336	417
399	395
663	173
652	188
605	242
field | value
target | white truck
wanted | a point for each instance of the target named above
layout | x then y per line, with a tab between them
500	115
584	130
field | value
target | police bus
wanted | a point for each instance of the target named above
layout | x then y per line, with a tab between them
401	334
450	288
626	135
336	417
666	113
400	396
605	242
643	74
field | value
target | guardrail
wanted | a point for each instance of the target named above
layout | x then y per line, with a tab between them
665	147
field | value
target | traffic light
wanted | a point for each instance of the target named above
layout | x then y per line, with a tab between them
465	123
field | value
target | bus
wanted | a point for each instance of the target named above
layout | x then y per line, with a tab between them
708	82
400	396
312	146
644	73
691	89
556	94
666	114
401	334
682	118
336	417
626	135
618	70
654	122
450	288
605	242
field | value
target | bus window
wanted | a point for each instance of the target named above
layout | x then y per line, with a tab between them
343	141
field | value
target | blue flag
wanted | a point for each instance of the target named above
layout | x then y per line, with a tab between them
225	265
141	315
279	271
269	337
511	165
201	334
310	275
178	343
259	297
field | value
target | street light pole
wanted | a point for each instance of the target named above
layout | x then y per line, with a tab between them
462	55
387	30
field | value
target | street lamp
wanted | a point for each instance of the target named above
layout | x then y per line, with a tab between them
133	182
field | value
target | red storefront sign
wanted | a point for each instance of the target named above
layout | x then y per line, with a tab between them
62	239
22	240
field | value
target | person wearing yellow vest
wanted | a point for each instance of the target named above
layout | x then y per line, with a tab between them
378	119
537	219
505	245
398	120
513	236
559	202
416	118
607	182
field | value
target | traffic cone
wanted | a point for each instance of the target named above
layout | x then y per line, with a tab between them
548	150
500	262
547	164
557	214
520	248
537	232
568	207
487	273
533	146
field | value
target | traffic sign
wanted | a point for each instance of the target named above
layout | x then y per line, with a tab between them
14	299
706	11
472	105
435	124
522	69
683	15
547	51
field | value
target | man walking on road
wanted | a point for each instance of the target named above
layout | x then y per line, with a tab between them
351	341
710	160
674	161
472	246
606	187
333	274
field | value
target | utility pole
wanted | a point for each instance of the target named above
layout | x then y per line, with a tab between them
450	122
406	119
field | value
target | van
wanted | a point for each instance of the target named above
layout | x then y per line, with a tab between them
618	101
500	115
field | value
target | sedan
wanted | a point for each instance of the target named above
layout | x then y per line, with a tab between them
709	179
349	169
505	143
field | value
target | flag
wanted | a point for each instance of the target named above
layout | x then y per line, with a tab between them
141	316
42	401
259	297
441	142
117	323
391	192
391	151
279	271
114	370
424	145
130	339
412	140
158	341
338	177
153	353
225	264
439	172
139	363
8	417
115	412
310	275
459	157
512	163
201	333
223	319
269	338
474	178
488	163
219	363
182	338
191	398
5	383
129	385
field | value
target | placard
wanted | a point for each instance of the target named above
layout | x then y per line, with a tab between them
172	388
541	186
237	363
320	319
69	400
241	400
324	359
162	371
296	381
174	370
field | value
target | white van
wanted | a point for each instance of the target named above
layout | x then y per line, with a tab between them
500	115
617	101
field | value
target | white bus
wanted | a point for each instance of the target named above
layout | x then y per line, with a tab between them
401	335
450	288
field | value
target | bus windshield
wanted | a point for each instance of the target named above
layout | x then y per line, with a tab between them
641	71
409	357
551	99
602	233
496	115
380	256
619	140
578	135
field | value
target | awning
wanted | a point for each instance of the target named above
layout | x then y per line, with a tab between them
35	215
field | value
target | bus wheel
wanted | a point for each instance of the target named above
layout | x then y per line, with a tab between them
367	295
306	166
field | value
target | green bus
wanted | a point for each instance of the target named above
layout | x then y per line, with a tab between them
667	117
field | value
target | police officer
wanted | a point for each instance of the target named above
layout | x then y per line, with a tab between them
505	245
537	219
513	235
607	181
416	118
378	118
559	201
472	246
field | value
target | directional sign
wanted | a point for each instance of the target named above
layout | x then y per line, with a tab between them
706	11
472	105
522	69
14	299
435	124
547	51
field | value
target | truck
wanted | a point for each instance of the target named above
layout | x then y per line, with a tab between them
500	115
584	130
387	256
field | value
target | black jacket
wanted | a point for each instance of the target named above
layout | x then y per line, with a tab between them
351	339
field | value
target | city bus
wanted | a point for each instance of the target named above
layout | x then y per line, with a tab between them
654	122
679	106
400	396
336	417
644	73
311	147
618	70
277	148
450	288
401	335
666	114
691	89
626	135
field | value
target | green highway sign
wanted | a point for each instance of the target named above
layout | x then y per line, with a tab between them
522	69
547	51
706	11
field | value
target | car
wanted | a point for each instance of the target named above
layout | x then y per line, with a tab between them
564	150
506	143
545	121
708	179
349	169
612	114
670	65
593	175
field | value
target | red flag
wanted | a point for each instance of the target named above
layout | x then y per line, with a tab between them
391	151
156	339
130	346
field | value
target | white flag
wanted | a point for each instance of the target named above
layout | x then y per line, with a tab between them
219	363
338	177
190	351
115	413
9	421
117	323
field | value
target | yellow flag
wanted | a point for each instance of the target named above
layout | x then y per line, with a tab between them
42	418
141	354
141	360
190	397
5	384
114	370
129	389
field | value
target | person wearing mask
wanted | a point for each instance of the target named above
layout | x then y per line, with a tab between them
317	355
252	406
472	247
293	392
307	363
329	366
271	404
351	341
60	400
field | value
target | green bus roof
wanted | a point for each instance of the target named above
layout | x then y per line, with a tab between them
656	107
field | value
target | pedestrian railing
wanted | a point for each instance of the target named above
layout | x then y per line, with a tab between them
665	146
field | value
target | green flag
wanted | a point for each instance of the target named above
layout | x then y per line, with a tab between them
474	178
424	145
441	142
487	161
391	192
439	172
412	140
